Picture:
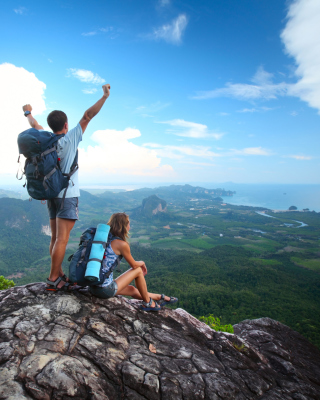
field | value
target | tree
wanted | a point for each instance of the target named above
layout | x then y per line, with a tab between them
292	208
5	283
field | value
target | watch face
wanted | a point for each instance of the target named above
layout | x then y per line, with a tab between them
27	113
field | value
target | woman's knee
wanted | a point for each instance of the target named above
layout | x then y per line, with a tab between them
139	272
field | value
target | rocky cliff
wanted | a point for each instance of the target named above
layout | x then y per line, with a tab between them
150	207
74	346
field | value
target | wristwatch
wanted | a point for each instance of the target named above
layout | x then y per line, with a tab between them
26	113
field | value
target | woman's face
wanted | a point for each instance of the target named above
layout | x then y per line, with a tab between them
128	226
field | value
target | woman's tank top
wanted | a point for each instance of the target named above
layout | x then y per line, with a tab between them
110	257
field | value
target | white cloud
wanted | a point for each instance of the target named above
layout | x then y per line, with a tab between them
163	3
301	39
89	91
92	33
252	110
85	76
251	151
98	31
20	10
179	152
299	157
116	155
262	88
191	129
18	87
152	108
248	110
171	33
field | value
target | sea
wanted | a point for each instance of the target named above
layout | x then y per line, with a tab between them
271	196
275	196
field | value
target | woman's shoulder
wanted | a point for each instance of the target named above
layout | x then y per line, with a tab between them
119	246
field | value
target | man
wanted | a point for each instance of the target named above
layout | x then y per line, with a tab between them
62	220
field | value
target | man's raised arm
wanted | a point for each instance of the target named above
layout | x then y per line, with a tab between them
93	111
27	112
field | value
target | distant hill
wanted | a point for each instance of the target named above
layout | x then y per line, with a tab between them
151	206
12	194
170	193
23	234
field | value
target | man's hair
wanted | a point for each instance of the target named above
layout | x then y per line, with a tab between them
56	120
118	225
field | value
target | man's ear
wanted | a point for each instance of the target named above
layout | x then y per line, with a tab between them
66	126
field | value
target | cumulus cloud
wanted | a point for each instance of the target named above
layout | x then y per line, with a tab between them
301	40
85	76
115	155
191	129
18	87
172	32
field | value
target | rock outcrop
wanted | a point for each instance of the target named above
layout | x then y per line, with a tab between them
150	207
74	346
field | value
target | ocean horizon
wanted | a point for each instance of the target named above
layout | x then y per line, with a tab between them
272	196
275	196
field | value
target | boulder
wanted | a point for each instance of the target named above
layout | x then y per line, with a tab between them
67	346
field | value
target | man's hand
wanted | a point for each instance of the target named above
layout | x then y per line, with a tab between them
27	107
106	90
33	122
93	111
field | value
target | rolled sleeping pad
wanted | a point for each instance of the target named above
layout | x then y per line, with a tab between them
97	252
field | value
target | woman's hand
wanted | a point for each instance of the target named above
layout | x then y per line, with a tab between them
144	269
142	265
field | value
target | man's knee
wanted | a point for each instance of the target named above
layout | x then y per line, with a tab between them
61	241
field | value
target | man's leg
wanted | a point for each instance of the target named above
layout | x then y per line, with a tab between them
63	229
53	228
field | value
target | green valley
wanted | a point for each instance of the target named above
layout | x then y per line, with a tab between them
233	262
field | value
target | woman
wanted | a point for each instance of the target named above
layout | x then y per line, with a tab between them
117	248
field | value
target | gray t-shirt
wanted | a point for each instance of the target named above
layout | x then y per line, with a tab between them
66	149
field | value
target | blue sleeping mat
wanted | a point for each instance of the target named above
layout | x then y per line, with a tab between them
97	253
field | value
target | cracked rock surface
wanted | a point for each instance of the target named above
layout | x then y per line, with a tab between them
75	346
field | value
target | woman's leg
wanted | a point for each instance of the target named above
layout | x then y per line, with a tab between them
126	278
141	291
134	292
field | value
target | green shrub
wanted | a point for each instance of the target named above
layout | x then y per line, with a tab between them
214	323
5	283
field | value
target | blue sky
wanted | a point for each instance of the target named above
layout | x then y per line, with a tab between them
200	90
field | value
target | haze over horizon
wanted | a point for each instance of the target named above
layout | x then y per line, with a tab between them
200	91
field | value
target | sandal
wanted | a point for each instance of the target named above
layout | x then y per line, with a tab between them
166	302
64	278
52	286
147	306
